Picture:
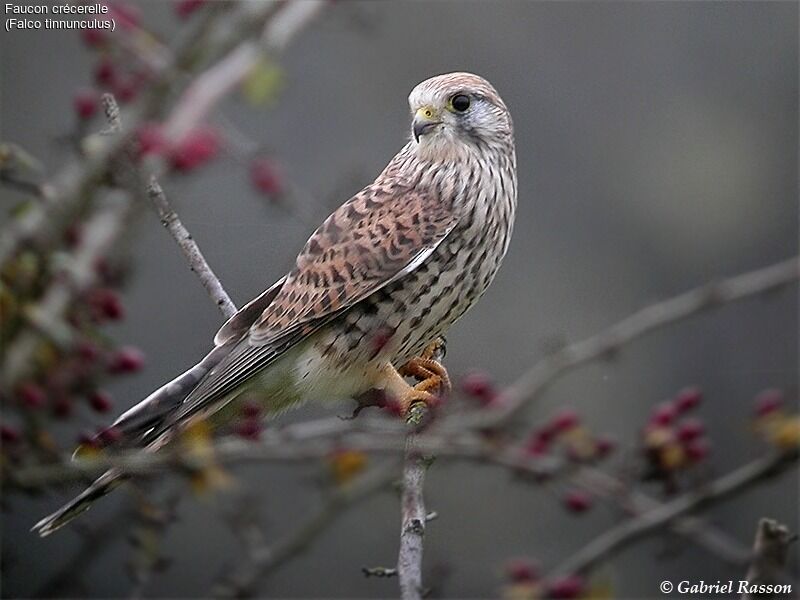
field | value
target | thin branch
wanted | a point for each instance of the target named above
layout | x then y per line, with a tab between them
111	110
263	561
197	262
92	547
732	484
696	529
608	342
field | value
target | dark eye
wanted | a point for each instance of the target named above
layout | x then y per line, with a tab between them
460	102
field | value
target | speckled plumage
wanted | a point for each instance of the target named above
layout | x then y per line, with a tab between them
384	275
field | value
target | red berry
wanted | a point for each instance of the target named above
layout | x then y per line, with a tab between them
249	429
88	351
522	570
73	235
126	15
479	385
9	434
100	401
150	140
251	410
577	501
105	73
62	406
698	450
379	339
198	147
570	586
392	407
107	304
32	395
537	446
109	435
690	429
126	88
663	414
769	401
265	177
94	38
184	8
86	103
126	360
687	399
564	421
88	439
604	446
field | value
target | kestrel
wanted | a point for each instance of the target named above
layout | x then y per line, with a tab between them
376	284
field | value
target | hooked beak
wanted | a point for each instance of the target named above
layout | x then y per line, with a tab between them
425	119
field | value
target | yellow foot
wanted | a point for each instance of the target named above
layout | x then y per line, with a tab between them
430	373
414	396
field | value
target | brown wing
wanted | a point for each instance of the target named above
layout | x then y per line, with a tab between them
376	236
382	233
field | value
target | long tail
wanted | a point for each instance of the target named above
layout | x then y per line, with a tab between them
102	486
140	425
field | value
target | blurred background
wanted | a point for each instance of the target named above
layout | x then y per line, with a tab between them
657	147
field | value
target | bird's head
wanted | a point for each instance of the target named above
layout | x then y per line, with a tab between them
455	113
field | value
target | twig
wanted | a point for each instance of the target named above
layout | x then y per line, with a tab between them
770	552
284	23
602	547
656	316
693	528
111	109
265	560
414	516
197	262
379	572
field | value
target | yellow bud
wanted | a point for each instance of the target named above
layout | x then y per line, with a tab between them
346	464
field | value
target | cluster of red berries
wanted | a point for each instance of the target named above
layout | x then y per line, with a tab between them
266	177
673	441
195	149
249	425
61	378
564	434
110	73
480	387
774	423
526	582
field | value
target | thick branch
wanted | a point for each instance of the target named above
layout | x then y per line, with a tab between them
284	23
197	262
770	552
412	502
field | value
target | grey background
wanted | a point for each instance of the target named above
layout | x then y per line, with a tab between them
657	148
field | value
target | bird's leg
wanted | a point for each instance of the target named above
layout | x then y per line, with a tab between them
432	378
427	369
399	390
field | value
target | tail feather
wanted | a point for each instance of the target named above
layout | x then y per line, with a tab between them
102	486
